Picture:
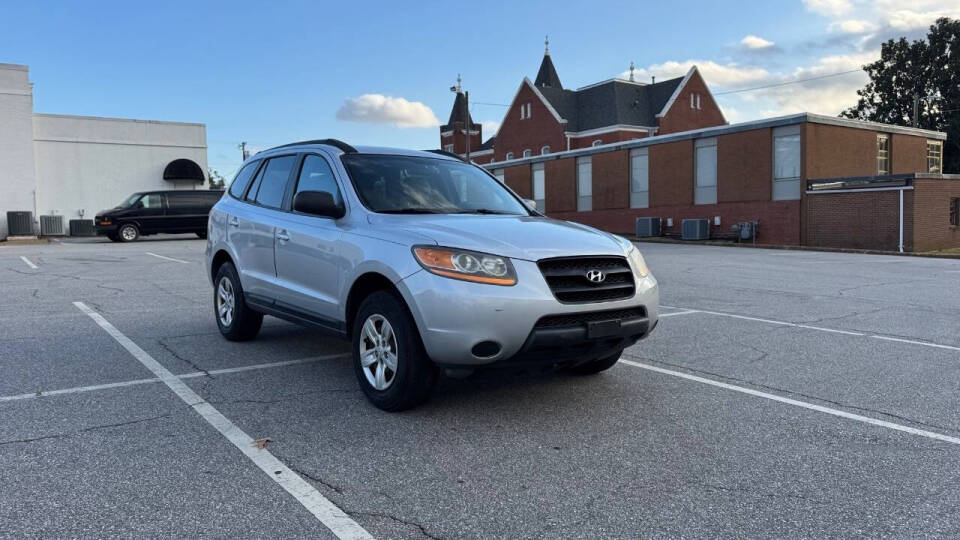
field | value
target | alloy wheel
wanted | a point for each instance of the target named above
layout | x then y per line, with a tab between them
378	352
225	301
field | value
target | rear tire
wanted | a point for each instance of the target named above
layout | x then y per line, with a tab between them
596	366
236	321
389	360
128	232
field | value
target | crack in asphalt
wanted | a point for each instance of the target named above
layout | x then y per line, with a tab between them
84	430
801	394
762	493
408	523
176	355
314	478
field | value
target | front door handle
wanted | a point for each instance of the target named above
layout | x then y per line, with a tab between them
234	222
282	235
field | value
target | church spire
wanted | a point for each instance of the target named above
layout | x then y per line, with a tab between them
547	75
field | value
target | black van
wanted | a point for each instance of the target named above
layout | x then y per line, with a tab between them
153	212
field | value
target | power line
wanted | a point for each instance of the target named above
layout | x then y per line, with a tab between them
786	83
486	103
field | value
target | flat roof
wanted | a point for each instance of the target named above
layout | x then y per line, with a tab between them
113	119
715	131
18	67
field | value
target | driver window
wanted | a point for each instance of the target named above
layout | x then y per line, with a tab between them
151	201
315	175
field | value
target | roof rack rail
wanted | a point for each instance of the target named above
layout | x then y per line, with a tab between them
346	148
448	154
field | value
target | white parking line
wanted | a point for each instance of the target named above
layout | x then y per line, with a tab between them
335	519
167	258
191	375
797	403
26	260
820	328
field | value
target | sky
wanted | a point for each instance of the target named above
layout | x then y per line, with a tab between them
379	73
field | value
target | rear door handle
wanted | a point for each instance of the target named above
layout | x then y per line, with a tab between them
234	222
282	235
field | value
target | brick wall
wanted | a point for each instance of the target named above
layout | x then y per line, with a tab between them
863	220
520	179
745	166
541	129
680	117
833	151
779	221
931	217
671	173
611	180
909	154
560	183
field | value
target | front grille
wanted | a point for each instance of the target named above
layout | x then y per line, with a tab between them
567	278
576	319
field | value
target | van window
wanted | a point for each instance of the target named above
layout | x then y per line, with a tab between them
273	181
198	200
240	182
152	200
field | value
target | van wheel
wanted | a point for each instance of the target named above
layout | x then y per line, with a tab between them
596	366
237	322
388	355
128	232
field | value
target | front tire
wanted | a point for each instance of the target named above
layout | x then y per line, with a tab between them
128	232
236	321
596	366
390	362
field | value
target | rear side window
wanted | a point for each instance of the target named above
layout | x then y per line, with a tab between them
273	181
242	179
316	175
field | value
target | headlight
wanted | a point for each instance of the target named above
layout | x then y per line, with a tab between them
466	265
637	259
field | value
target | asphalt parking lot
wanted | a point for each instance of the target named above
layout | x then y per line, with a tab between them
784	394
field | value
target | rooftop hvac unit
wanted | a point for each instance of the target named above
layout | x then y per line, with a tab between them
52	226
649	226
82	227
696	229
20	223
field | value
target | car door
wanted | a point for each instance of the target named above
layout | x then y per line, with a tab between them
308	249
252	228
148	213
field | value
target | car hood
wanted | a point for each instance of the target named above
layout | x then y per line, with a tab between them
519	237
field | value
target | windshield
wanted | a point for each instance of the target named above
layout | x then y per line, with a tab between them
130	200
423	185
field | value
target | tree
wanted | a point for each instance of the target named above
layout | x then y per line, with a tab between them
922	68
216	180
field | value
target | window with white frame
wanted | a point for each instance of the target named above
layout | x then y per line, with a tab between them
527	153
705	167
524	111
786	163
597	142
539	187
639	178
499	174
883	154
448	148
509	156
584	184
935	156
692	101
698	101
545	150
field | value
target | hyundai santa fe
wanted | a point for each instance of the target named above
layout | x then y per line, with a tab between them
425	263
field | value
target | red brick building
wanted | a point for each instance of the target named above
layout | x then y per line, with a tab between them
629	150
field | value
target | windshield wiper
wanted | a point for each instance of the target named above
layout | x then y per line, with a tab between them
412	211
487	211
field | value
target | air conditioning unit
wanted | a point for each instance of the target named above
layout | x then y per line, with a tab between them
649	226
52	226
82	227
696	229
20	223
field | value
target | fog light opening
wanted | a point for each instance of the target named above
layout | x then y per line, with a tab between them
486	349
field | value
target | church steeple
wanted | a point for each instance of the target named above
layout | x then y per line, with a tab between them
547	75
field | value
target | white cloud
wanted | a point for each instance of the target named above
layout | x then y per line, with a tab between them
830	8
490	128
381	109
755	42
852	26
720	75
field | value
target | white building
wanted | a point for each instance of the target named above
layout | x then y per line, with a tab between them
74	166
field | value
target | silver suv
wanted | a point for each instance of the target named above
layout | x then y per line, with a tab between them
427	264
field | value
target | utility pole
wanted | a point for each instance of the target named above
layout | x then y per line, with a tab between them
243	150
916	109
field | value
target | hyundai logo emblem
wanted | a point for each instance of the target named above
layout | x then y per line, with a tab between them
596	276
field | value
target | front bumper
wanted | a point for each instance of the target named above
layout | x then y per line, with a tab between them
104	230
455	316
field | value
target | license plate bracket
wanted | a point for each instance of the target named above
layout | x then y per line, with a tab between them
602	329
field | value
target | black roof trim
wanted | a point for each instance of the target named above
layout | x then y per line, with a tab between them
860	182
448	154
336	143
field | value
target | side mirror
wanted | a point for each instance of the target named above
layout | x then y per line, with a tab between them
531	204
318	203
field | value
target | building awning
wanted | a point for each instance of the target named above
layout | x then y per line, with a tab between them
183	170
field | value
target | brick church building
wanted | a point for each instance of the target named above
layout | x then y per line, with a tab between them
544	117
